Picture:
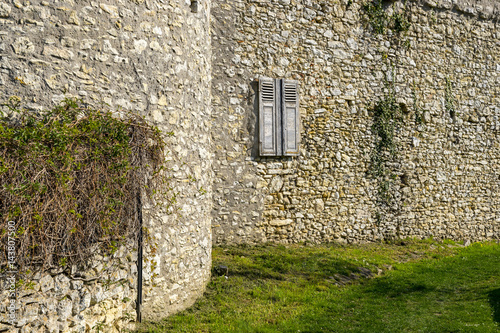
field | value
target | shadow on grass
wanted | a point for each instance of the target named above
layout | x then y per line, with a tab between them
494	299
420	281
252	273
311	267
281	263
439	289
390	289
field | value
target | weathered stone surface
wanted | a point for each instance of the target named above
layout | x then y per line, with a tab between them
4	10
61	284
46	283
280	223
73	18
149	57
342	67
57	52
276	184
111	10
23	46
155	58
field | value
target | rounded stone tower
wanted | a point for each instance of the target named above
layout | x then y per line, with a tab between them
151	57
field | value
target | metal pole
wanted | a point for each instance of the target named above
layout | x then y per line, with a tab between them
139	259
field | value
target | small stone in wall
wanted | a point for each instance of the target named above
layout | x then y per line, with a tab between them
280	223
427	116
4	10
57	53
328	34
68	41
319	205
46	283
108	48
140	45
155	46
53	82
73	18
64	309
276	184
61	284
111	10
23	45
415	141
84	303
352	44
86	44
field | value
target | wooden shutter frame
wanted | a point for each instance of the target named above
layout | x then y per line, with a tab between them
269	116
290	110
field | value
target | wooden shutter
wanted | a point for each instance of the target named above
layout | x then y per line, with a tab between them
269	118
290	117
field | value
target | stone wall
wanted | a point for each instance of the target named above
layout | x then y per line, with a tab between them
150	57
155	58
102	297
443	180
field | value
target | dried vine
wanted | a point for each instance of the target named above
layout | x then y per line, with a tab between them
69	179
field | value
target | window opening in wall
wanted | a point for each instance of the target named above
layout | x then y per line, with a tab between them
279	122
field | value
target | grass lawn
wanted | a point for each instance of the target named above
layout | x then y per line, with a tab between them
423	286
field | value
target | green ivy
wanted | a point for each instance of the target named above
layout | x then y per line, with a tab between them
380	21
387	117
376	16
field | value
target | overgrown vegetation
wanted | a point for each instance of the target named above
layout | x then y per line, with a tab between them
387	117
70	179
432	287
383	16
381	21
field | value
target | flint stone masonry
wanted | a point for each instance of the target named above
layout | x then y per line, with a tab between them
446	180
77	301
149	57
193	70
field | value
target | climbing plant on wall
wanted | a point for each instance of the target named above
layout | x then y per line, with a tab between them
380	21
387	116
69	181
391	20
